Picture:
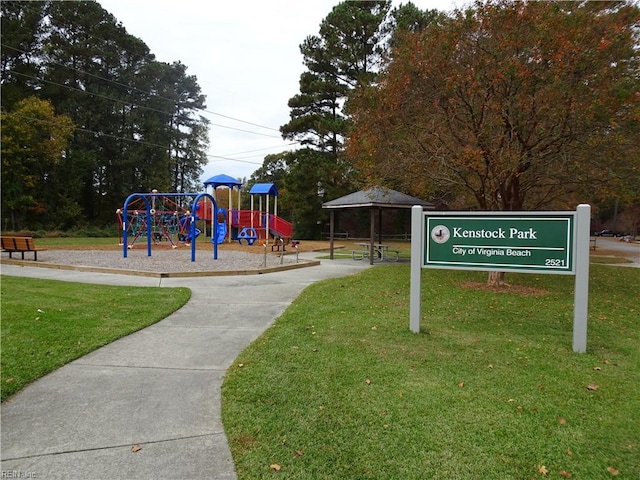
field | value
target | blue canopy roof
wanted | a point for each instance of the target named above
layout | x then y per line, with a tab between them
264	189
223	180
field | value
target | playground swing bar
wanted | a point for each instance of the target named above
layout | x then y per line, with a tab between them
192	226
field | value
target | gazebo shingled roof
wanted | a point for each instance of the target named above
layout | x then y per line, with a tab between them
377	197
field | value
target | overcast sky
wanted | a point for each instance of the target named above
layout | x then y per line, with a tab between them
246	57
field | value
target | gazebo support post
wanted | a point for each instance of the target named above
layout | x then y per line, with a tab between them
331	232
372	235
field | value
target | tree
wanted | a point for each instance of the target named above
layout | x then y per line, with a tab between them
137	122
407	18
81	63
346	53
506	106
34	139
21	35
189	132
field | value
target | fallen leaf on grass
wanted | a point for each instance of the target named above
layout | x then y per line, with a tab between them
543	470
275	467
565	474
593	387
562	421
136	448
461	384
613	471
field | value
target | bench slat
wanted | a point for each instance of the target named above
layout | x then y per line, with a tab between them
20	245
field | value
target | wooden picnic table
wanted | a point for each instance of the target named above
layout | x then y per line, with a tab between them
380	251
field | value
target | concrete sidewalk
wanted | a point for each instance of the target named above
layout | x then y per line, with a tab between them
157	389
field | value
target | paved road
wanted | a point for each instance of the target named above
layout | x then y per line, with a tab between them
158	388
627	250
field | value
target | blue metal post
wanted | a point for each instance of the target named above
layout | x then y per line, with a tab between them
125	240
214	212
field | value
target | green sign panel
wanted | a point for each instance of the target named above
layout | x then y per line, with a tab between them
538	242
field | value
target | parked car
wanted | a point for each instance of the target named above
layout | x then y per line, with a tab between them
608	233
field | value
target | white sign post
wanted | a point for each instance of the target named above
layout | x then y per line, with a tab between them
530	242
581	291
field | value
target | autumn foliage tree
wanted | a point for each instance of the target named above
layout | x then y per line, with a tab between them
34	139
507	106
137	123
346	53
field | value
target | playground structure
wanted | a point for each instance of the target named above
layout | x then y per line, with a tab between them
164	216
250	225
168	217
172	217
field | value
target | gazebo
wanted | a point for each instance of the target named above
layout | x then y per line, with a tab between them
375	199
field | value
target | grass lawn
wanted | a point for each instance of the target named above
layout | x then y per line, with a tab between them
339	388
46	324
87	242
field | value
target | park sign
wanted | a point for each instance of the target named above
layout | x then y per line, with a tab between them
530	242
526	242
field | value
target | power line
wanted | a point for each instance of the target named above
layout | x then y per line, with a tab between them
260	149
131	140
172	101
234	159
86	130
124	102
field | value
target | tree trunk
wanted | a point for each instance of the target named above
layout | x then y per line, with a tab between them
496	279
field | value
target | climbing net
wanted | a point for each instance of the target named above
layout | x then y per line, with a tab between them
169	217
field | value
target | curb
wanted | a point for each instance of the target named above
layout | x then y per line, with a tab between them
142	273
